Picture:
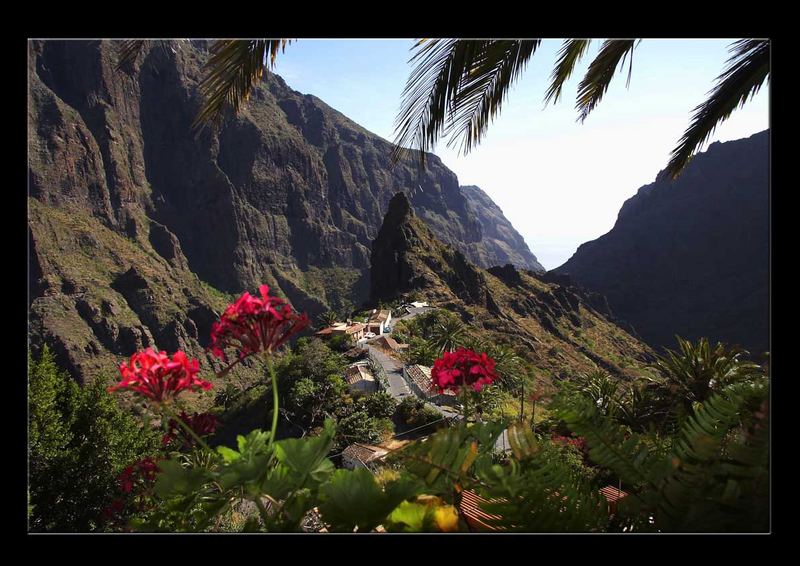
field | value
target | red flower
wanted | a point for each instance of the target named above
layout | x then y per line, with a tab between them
157	377
463	368
254	325
202	424
115	508
145	469
125	479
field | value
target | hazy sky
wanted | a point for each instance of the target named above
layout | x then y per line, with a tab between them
559	182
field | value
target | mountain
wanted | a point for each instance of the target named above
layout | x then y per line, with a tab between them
561	328
691	256
140	231
501	243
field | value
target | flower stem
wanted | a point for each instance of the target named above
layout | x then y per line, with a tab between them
271	369
262	510
187	428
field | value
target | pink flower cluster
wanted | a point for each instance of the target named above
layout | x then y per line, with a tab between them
202	425
463	368
156	376
253	325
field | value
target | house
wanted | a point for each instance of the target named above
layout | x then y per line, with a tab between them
355	353
418	304
359	378
418	378
613	496
356	330
388	344
379	320
359	455
476	517
479	520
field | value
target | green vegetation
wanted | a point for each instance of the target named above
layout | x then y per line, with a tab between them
79	441
690	458
414	413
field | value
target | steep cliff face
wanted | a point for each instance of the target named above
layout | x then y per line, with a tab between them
561	328
501	243
691	257
290	193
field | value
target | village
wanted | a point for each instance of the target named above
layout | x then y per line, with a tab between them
378	365
373	349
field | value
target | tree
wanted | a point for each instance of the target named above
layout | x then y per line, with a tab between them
458	86
326	319
380	405
422	352
448	334
79	441
694	371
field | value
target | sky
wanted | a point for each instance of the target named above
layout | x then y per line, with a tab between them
559	182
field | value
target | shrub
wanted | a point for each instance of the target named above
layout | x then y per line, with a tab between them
79	441
380	405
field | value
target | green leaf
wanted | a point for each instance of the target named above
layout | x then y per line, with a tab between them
306	455
352	498
409	517
279	482
175	479
228	454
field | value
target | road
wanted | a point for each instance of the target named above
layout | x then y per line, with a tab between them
393	370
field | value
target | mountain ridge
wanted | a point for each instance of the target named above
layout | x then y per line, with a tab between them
691	256
289	193
563	329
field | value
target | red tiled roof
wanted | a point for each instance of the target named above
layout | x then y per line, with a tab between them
388	342
358	327
380	316
354	374
421	376
476	517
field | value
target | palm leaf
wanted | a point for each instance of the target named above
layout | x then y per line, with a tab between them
747	69
234	67
439	67
601	70
568	56
480	94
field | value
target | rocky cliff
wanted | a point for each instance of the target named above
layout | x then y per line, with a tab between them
501	243
691	257
562	329
139	230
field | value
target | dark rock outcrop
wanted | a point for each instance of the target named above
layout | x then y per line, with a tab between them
514	305
691	257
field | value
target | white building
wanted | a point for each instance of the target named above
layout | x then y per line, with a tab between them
379	320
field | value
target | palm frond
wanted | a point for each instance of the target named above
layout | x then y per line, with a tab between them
439	67
234	67
128	52
748	68
568	57
481	93
598	77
